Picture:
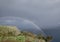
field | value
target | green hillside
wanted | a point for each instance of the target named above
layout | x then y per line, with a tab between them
13	34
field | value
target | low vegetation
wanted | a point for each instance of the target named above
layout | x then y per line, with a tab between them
13	34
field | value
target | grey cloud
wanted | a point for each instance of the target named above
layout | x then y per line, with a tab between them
44	13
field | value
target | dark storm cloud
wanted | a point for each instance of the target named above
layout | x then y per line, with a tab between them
45	13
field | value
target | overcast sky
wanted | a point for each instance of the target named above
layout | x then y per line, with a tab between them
45	13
